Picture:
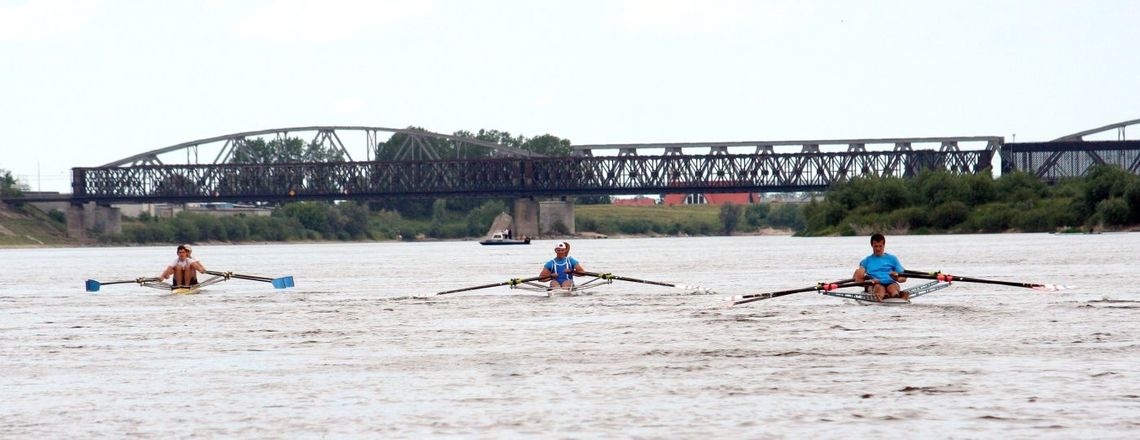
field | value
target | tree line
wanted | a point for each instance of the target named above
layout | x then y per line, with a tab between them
936	201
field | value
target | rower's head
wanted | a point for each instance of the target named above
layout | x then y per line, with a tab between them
878	244
562	249
184	249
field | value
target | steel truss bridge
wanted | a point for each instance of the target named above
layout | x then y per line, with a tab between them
612	169
718	170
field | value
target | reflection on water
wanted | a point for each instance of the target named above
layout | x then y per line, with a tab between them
360	348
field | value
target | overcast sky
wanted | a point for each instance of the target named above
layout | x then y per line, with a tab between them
87	82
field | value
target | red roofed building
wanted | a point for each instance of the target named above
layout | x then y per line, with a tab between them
715	199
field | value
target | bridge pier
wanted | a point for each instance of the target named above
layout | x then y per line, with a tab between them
525	218
92	217
535	218
556	217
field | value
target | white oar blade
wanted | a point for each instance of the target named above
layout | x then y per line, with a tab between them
695	290
1052	287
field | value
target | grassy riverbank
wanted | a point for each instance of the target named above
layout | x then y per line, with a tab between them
28	226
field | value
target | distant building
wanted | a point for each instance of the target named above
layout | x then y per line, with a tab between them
715	199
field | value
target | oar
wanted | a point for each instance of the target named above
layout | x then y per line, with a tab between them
825	287
510	282
278	283
938	275
610	276
93	286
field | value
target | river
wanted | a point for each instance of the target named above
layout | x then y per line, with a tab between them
361	348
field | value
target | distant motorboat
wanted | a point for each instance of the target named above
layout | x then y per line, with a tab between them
500	239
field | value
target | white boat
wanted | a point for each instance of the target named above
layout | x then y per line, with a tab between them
500	239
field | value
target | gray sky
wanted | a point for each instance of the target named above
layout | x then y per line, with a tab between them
88	82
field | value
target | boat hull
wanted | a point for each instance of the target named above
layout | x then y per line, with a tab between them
502	241
187	290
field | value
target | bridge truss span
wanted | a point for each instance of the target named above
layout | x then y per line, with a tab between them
1052	161
368	142
507	177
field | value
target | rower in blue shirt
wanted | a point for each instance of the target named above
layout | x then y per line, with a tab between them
883	269
560	271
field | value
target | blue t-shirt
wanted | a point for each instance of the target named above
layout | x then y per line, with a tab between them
880	268
560	265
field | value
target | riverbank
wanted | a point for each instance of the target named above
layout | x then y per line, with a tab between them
27	226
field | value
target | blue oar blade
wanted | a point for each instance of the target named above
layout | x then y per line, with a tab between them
93	286
283	282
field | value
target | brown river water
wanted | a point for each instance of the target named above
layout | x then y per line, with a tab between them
361	348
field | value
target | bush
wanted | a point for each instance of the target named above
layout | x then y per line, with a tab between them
937	188
890	194
1033	220
1132	199
57	216
993	217
587	224
1104	182
756	215
949	214
236	229
634	226
822	215
983	189
730	217
1019	186
787	215
914	217
1113	211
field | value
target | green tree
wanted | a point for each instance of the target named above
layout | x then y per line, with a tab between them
10	186
1103	182
787	215
548	145
438	215
938	187
756	215
311	215
949	214
889	194
983	189
355	219
822	215
1132	199
730	217
1113	211
289	150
